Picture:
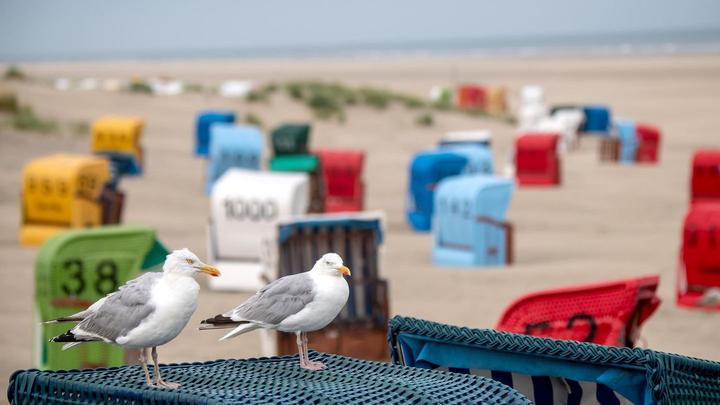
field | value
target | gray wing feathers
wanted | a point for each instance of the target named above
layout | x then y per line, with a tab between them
276	301
122	310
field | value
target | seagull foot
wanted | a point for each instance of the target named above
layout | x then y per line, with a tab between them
313	366
165	384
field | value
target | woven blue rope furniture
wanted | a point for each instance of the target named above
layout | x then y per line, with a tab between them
262	381
556	371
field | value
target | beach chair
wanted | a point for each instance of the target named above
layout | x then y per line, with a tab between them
233	145
78	267
479	158
64	191
648	150
275	380
607	313
118	138
203	122
536	159
245	207
426	170
469	227
291	139
309	164
598	120
627	135
496	103
699	269
705	180
570	121
609	149
343	179
550	371
471	97
361	328
479	137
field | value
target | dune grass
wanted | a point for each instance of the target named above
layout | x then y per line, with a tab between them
8	102
25	119
14	72
253	119
424	120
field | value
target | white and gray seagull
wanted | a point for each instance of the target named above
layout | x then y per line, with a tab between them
146	312
298	303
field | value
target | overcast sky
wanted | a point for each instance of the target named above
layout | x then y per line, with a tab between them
84	28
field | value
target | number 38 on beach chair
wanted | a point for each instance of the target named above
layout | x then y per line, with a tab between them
469	223
118	138
245	207
63	191
233	145
549	371
75	269
608	313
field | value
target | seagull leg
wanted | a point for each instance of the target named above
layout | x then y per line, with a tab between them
158	379
310	365
143	362
301	349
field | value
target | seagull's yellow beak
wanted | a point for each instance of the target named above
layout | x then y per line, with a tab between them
344	271
208	269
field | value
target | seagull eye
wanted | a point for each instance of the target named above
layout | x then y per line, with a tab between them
189	261
328	263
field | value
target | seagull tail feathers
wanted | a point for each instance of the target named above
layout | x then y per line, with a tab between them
69	345
244	328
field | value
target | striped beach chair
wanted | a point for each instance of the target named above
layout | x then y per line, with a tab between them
549	371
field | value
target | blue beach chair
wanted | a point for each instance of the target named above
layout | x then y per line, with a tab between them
231	146
469	224
597	120
550	371
479	158
204	120
628	140
426	170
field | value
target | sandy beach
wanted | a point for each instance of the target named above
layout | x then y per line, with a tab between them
605	221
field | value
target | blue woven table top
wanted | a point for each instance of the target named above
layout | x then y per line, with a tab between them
262	381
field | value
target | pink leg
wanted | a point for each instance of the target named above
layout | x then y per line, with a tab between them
310	365
143	362
158	379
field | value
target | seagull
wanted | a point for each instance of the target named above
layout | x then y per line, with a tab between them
146	312
297	303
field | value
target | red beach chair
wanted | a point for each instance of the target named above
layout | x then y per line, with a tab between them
608	313
705	182
342	172
536	159
648	138
699	269
471	97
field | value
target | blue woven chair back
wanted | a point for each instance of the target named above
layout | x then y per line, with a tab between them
597	119
426	170
204	120
552	371
628	140
467	209
233	146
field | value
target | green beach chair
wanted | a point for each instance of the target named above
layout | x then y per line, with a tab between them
76	268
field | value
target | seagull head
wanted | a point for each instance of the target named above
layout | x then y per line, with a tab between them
185	262
331	264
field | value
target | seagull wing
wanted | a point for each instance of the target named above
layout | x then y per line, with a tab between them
278	300
118	314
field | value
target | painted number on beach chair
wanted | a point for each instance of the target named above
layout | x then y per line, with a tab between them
530	327
254	210
106	280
